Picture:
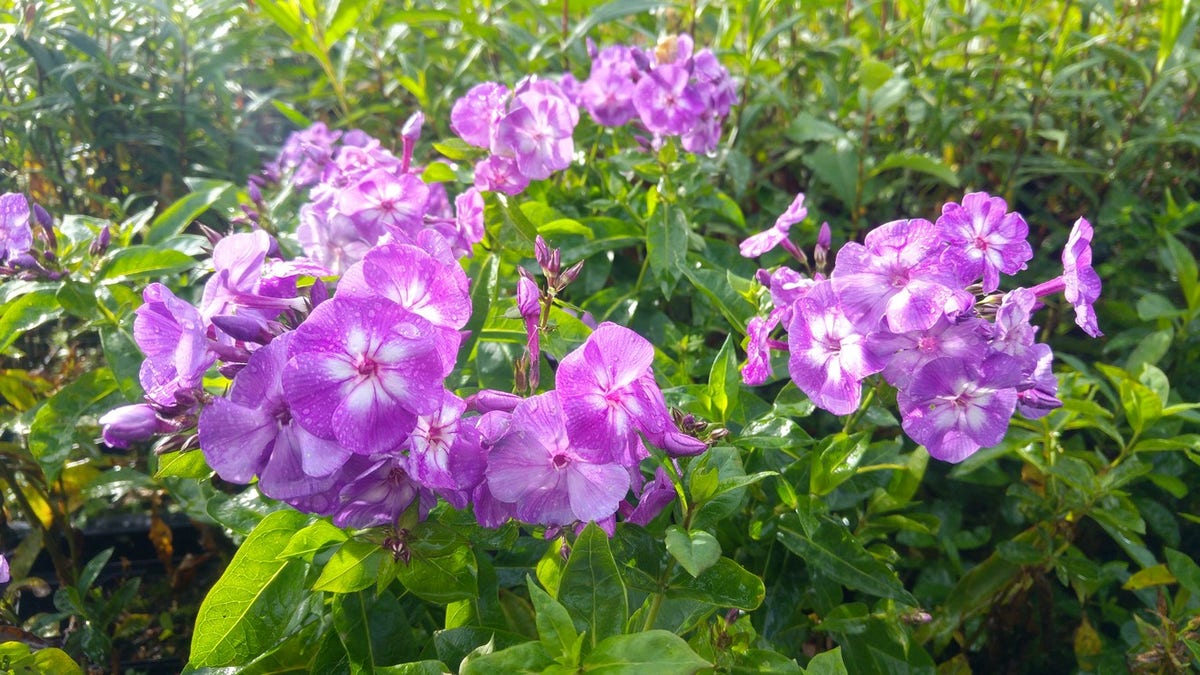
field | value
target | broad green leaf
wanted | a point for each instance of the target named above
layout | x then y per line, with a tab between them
456	149
724	381
374	630
21	660
438	172
832	549
26	313
1185	569
125	359
1184	266
183	465
56	428
666	244
834	462
528	657
1158	575
725	584
179	215
882	649
453	645
920	163
561	226
591	587
427	667
827	663
142	261
353	567
247	610
654	651
696	551
441	566
554	626
316	536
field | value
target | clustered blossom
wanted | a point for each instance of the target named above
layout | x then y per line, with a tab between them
28	245
337	401
671	90
527	132
917	302
360	194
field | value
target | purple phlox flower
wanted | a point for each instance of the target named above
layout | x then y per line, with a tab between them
5	574
251	431
652	499
446	453
414	279
236	285
410	133
131	424
666	102
535	467
984	240
466	228
1037	395
333	239
361	370
474	116
536	132
705	135
719	89
787	286
905	353
1012	333
397	202
491	426
896	274
306	153
1080	281
379	493
954	406
170	332
609	394
764	241
438	204
758	348
529	305
828	355
824	242
490	400
500	174
16	237
607	93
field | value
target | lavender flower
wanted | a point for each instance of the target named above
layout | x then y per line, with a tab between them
170	332
760	243
536	467
16	237
360	372
984	240
475	115
665	101
130	424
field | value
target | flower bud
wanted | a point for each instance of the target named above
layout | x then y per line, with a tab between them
100	243
130	423
570	274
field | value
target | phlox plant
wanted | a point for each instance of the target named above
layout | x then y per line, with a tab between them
519	405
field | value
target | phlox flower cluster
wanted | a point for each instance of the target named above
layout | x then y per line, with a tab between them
526	131
22	228
918	303
337	401
671	90
361	193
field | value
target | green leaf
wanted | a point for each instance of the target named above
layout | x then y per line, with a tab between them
724	381
142	261
1185	570
372	629
353	567
554	626
457	149
528	657
26	313
696	551
562	226
654	651
427	667
21	660
591	587
725	584
438	172
125	359
827	663
316	536
834	551
441	567
189	464
247	610
834	462
919	163
1157	575
56	428
179	215
666	244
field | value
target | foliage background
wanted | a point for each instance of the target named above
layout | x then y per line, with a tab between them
1068	547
